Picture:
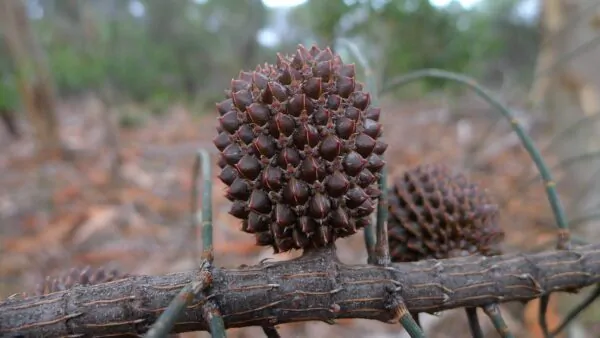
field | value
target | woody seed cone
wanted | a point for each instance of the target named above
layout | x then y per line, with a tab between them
299	150
75	276
436	214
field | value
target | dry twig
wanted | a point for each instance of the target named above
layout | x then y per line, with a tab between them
314	287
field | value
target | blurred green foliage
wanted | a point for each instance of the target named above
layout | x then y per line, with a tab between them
157	51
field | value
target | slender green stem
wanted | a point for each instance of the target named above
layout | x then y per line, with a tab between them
474	325
203	162
395	304
566	57
555	203
271	332
375	241
584	219
493	312
584	192
544	300
382	247
163	326
215	320
571	130
592	155
576	311
194	214
411	326
416	318
165	323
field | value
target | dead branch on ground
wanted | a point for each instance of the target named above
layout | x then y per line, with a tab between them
316	286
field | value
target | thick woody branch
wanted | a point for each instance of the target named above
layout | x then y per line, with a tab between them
314	287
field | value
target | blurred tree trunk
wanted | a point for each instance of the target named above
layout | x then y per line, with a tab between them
568	88
80	15
34	78
10	122
255	20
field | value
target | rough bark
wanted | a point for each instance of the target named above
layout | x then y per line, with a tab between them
314	287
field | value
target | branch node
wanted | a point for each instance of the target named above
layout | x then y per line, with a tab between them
400	314
564	239
165	323
214	319
208	255
493	312
395	304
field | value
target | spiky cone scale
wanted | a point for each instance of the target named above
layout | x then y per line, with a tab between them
82	277
76	276
434	213
299	150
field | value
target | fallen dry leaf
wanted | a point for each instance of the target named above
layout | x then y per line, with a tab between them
54	234
98	218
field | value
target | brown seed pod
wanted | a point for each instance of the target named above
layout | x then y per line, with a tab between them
436	214
300	150
75	276
83	277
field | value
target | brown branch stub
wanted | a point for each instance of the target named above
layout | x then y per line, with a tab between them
314	287
563	239
395	304
168	318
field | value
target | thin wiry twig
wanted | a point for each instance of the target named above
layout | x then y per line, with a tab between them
566	57
400	314
570	130
207	226
557	139
493	311
416	318
271	332
411	326
557	209
544	301
577	310
570	24
211	312
474	326
565	163
575	222
165	323
584	192
195	216
382	247
563	234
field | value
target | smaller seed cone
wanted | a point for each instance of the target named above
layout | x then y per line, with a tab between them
83	277
436	214
75	276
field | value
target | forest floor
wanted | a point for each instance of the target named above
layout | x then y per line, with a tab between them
57	215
